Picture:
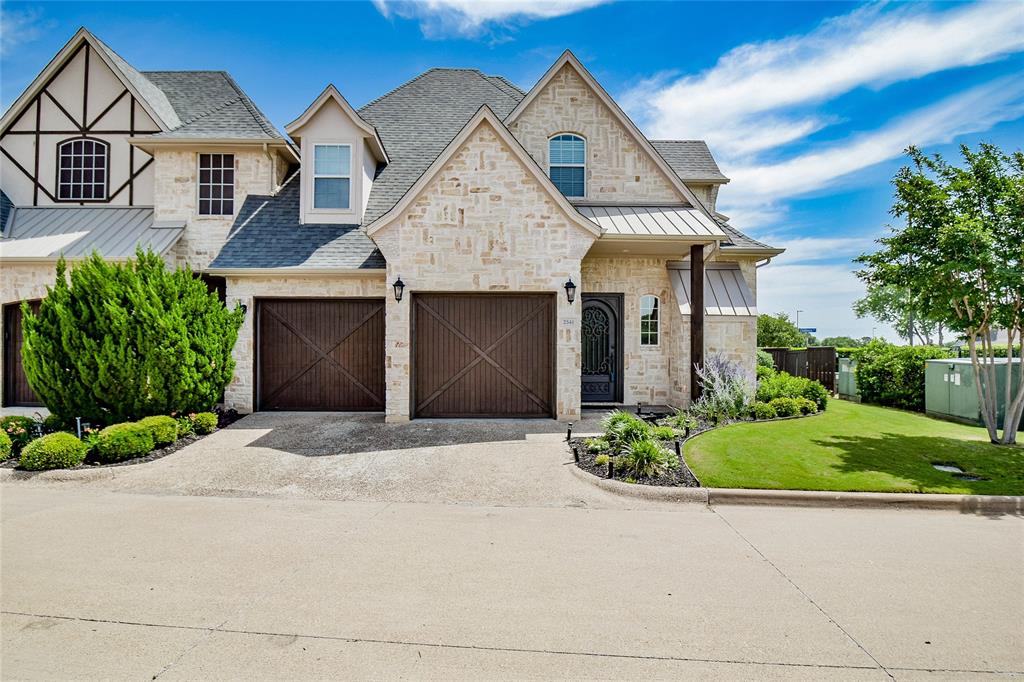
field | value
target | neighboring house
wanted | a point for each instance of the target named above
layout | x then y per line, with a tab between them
456	247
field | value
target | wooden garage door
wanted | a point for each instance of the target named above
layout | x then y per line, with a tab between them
16	388
325	354
477	355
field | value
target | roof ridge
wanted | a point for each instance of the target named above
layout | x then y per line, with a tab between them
659	139
397	88
487	79
258	116
183	71
211	110
509	83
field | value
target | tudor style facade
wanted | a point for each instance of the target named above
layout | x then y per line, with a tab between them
414	256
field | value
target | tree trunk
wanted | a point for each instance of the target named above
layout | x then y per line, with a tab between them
1014	407
983	388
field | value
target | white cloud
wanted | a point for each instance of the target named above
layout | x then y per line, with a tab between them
974	110
809	249
755	98
19	27
472	18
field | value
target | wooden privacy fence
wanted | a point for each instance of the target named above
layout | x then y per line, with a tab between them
818	363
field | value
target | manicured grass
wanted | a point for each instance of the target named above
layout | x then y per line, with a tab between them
859	448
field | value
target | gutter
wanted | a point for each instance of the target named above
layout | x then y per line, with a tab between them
293	271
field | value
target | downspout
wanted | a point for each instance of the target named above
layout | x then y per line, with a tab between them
274	187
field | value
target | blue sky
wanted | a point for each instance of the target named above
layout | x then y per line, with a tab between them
807	106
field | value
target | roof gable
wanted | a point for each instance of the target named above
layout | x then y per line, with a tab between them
568	59
484	117
150	97
331	94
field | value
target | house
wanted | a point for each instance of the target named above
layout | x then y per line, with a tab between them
456	247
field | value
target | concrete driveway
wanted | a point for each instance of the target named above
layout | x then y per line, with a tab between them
268	551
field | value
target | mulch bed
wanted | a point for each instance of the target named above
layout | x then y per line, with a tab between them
224	418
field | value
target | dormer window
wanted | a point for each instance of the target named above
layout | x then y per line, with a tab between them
82	169
332	176
567	155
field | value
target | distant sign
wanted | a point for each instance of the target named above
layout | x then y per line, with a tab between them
808	330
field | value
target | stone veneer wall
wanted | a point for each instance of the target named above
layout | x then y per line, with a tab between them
483	224
176	195
240	393
617	168
660	374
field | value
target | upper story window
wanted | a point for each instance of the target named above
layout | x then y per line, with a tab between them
216	184
332	176
83	169
649	320
567	156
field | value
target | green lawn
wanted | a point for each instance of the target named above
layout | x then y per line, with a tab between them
855	447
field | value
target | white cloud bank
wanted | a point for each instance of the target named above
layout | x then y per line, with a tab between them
20	27
472	18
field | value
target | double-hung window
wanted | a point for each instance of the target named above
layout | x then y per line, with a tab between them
567	156
216	184
649	320
82	166
332	176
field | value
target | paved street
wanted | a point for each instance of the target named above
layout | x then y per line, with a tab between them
111	584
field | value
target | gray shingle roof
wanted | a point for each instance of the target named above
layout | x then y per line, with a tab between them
418	119
690	159
210	104
154	96
738	240
75	231
6	206
267	234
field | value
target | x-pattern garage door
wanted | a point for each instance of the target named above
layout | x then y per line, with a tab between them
483	355
325	354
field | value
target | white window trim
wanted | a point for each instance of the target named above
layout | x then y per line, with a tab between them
71	183
234	184
657	306
586	146
313	177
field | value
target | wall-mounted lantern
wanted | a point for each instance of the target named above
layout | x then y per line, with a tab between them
399	287
245	309
570	290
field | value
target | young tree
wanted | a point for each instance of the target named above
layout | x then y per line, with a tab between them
776	331
960	254
123	341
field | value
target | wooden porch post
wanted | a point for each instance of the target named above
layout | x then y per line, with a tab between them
696	318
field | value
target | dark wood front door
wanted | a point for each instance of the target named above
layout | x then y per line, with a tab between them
16	388
320	354
483	355
602	348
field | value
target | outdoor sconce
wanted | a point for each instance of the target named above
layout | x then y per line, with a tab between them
399	286
570	290
245	309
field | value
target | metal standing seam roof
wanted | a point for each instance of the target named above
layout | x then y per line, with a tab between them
115	232
658	221
725	290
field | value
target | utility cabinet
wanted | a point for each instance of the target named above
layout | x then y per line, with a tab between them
846	381
950	393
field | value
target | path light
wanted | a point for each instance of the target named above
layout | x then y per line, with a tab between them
399	287
568	434
570	290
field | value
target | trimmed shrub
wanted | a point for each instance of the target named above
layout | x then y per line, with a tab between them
598	445
764	411
765	359
123	441
806	406
164	429
785	407
646	459
59	450
121	341
663	433
204	422
894	375
21	430
784	385
5	445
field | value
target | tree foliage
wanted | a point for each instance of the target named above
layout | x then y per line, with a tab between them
845	341
777	331
899	308
960	255
120	341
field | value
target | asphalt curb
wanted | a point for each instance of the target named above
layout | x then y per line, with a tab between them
964	504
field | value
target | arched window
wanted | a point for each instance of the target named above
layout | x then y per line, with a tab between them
567	164
649	320
83	169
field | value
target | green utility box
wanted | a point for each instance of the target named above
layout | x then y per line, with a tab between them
949	391
846	381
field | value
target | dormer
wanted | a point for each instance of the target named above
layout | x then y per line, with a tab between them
340	152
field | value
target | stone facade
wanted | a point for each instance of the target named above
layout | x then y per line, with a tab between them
240	393
618	169
483	223
177	197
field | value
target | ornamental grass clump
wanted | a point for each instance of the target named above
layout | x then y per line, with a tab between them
622	428
645	459
54	451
